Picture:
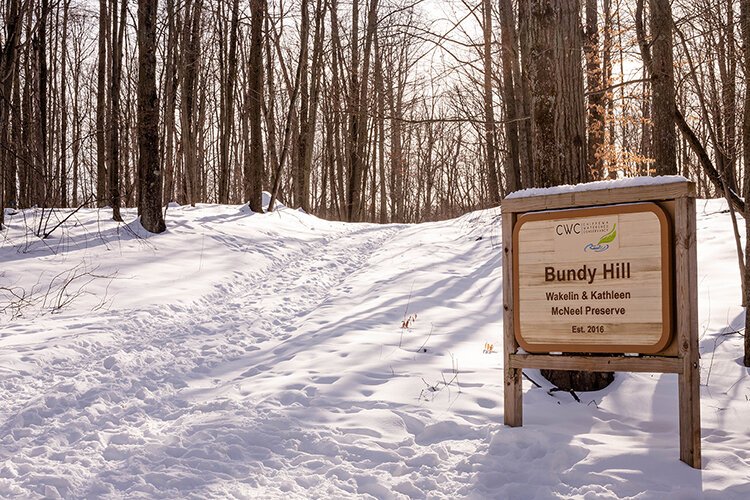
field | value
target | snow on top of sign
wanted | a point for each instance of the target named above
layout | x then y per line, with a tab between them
598	185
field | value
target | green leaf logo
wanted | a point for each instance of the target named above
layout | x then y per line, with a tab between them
609	237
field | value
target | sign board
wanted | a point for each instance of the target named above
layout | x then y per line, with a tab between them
611	268
593	280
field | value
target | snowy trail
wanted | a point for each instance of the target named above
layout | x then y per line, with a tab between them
137	373
255	356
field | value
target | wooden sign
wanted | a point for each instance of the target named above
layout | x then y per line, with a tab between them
621	254
593	280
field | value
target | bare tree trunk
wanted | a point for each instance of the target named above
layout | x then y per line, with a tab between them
170	103
556	82
358	128
76	146
118	28
489	113
570	111
189	67
227	107
63	115
355	169
312	115
692	138
745	24
595	93
524	98
608	118
8	67
342	152
380	106
14	166
269	108
254	164
662	85
543	74
43	96
26	124
509	55
149	171
301	177
396	153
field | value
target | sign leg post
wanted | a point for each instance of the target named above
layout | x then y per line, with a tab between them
686	272
513	395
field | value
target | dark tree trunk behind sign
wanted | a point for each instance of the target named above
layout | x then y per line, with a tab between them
557	121
556	85
596	96
662	85
542	74
149	171
570	112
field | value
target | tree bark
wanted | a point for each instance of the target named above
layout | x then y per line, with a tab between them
509	55
8	68
493	185
62	155
149	171
557	121
254	164
43	96
189	67
543	74
662	87
745	26
570	112
380	103
118	28
301	177
227	107
170	103
355	167
596	96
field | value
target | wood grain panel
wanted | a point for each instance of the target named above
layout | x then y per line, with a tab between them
593	280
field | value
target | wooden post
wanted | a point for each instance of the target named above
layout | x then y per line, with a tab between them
513	397
686	271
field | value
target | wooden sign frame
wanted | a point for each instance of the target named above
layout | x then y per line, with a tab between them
682	358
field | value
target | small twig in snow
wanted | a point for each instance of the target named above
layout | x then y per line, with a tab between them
422	348
569	391
531	380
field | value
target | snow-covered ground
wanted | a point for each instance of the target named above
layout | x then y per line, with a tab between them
262	356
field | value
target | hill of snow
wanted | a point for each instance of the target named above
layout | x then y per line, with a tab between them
263	356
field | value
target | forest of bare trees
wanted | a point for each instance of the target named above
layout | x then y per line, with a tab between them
387	110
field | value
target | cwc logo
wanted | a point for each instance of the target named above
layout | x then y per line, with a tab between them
562	229
604	242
